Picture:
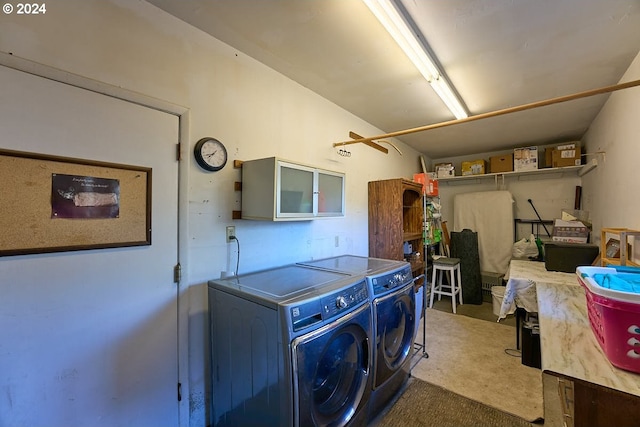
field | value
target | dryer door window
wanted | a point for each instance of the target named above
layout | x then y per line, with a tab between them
331	372
395	324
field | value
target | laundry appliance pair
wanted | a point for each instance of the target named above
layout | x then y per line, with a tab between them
324	343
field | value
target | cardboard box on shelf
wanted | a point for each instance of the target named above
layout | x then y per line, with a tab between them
568	146
503	163
525	159
548	156
562	158
445	170
474	167
548	152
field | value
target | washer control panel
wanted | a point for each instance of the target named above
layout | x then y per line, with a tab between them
386	282
341	301
328	306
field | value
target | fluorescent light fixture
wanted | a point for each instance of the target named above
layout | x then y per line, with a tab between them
442	88
397	26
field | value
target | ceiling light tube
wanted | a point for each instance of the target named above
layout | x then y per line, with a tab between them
445	93
396	25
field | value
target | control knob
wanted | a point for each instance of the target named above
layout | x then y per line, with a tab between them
397	279
341	302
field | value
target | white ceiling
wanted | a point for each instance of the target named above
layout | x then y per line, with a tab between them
497	54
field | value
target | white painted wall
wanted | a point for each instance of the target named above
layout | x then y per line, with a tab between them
611	190
255	111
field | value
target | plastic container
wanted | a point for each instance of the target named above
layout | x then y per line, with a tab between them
615	319
497	294
489	280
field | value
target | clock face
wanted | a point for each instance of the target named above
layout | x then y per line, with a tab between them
210	154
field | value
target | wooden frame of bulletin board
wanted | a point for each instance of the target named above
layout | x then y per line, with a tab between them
56	204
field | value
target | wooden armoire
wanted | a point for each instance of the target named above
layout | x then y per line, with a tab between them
396	217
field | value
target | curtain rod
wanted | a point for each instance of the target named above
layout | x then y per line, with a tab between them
544	103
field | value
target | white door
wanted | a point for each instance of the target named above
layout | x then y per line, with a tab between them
89	338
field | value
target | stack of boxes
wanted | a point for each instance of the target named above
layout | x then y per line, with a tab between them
570	231
573	227
521	160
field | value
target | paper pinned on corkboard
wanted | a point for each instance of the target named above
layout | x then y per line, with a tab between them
116	214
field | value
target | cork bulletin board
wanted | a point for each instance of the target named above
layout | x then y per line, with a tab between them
55	204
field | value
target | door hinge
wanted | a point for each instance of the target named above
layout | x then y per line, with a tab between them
179	392
177	273
178	151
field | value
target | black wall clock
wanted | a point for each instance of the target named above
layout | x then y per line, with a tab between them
210	154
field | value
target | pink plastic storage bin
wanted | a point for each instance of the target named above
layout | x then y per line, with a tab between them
615	319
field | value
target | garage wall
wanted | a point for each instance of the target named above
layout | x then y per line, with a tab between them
611	190
255	111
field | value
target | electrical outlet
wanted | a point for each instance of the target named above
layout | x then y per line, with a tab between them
231	233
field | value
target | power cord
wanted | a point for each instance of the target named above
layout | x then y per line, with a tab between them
238	258
513	352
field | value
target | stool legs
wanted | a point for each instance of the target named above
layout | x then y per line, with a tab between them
455	284
433	286
452	282
459	285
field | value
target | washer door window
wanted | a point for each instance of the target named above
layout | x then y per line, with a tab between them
395	330
331	369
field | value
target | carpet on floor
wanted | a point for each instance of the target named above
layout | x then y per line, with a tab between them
475	359
427	405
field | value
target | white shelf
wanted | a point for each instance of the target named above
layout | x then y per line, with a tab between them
533	174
